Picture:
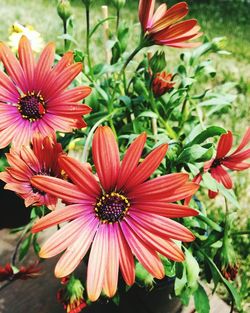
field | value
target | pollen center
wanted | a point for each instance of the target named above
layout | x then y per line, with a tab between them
31	106
111	208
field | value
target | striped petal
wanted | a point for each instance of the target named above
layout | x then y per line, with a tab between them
27	61
224	145
112	270
146	10
65	214
147	167
158	188
76	251
106	157
127	263
144	254
81	175
182	192
131	159
245	141
224	177
98	261
162	226
61	189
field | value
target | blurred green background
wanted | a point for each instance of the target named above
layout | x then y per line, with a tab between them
218	19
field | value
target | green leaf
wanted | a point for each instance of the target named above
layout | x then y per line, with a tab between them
209	182
24	247
148	114
216	273
193	269
194	154
169	267
229	195
208	133
36	245
201	300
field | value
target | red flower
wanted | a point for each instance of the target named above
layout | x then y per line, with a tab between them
40	158
33	97
222	160
162	84
121	216
163	26
26	272
233	161
6	272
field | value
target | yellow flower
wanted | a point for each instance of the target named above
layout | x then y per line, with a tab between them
18	30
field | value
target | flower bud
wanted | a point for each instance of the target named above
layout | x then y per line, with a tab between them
158	62
162	84
119	4
64	9
87	3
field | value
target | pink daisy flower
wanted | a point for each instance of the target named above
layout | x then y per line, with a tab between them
33	96
41	158
122	215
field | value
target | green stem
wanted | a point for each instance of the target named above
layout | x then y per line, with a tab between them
132	55
65	32
117	19
88	41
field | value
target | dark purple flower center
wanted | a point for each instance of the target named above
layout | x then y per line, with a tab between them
31	106
111	208
216	162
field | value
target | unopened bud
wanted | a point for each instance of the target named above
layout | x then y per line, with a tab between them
119	4
64	9
158	62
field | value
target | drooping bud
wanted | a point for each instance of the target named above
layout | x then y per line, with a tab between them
64	9
162	84
158	62
71	295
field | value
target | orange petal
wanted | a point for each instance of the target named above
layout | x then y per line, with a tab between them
111	273
147	167
146	10
182	192
61	189
66	60
27	61
131	159
106	157
80	175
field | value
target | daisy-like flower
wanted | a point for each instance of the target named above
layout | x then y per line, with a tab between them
233	161
163	27
18	30
162	84
33	97
40	158
120	216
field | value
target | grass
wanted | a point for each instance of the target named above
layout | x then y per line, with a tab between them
217	18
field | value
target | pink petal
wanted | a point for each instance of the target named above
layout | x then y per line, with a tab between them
127	263
98	262
164	246
182	192
111	273
146	10
12	66
74	95
77	250
161	226
65	214
144	254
